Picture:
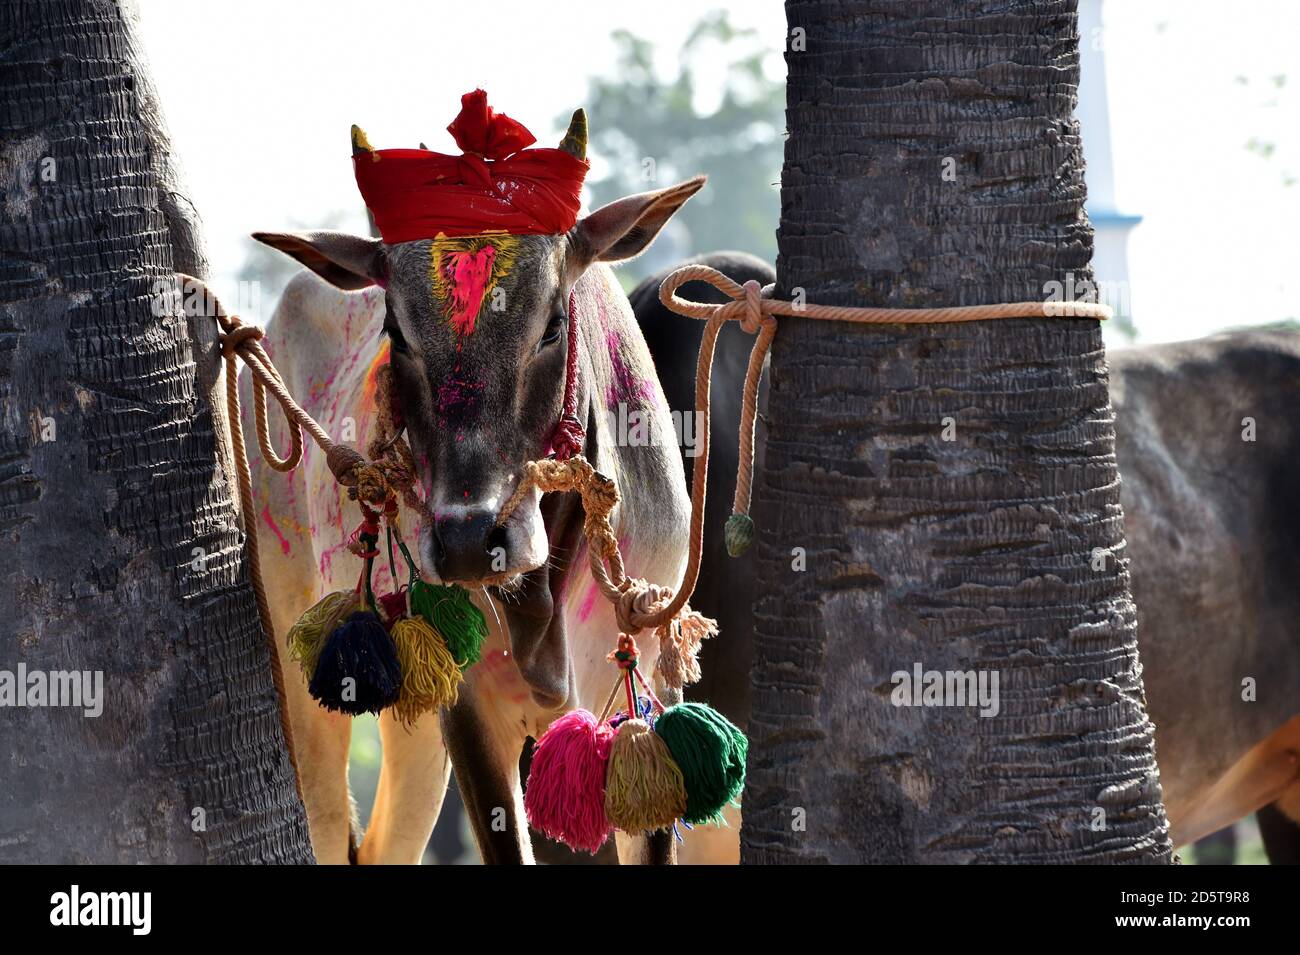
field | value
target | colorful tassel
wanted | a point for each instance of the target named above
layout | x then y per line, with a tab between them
430	676
450	612
565	795
710	751
358	670
643	786
307	636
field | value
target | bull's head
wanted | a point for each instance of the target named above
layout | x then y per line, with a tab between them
478	328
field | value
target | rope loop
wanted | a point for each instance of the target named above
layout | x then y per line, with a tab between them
235	334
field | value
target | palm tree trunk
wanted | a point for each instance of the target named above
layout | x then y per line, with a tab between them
123	555
952	489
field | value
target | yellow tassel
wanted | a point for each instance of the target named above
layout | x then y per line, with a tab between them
307	636
643	785
430	676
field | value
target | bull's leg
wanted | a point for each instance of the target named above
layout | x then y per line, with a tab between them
1269	772
320	738
656	848
320	743
412	783
713	845
487	771
1281	835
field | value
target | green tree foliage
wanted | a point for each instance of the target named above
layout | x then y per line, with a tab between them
720	113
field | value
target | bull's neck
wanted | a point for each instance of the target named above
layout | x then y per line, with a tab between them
625	405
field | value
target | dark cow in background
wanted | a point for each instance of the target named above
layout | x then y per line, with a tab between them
726	588
1208	442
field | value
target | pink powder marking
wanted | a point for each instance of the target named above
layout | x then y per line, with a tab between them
627	388
588	602
458	402
468	274
275	529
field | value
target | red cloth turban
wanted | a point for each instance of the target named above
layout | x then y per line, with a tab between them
496	185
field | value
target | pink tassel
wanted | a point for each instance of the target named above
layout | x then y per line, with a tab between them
565	796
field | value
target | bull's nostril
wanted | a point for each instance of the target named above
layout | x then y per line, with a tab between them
468	546
496	547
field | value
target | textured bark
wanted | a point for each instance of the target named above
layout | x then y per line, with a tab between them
101	524
965	554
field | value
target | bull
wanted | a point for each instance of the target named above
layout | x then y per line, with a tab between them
476	406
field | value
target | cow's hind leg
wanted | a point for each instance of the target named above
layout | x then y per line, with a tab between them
1268	773
487	771
655	848
412	783
1281	835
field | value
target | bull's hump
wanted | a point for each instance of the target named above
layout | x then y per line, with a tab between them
325	340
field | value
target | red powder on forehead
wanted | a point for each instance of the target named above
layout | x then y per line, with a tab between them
467	277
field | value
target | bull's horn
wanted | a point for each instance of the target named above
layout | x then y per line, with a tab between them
575	140
359	142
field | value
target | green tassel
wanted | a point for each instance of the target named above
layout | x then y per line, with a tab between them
738	533
711	752
450	611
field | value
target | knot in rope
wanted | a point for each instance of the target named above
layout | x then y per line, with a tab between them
639	603
753	319
626	653
235	333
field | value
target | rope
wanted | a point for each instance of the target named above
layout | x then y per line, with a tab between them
569	433
391	472
637	603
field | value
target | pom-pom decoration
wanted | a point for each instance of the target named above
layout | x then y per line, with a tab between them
307	636
450	612
640	771
643	786
565	795
711	752
430	675
362	654
358	670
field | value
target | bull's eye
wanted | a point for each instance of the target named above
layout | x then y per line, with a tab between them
396	338
553	329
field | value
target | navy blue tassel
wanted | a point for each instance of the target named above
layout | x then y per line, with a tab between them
358	670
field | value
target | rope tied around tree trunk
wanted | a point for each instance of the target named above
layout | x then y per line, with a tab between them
639	604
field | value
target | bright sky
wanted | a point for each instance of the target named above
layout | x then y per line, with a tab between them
259	95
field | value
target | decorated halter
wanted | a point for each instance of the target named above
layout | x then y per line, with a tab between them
639	767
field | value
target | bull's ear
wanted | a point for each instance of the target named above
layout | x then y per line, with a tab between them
625	228
348	261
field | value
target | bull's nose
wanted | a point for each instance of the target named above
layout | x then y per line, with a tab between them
469	545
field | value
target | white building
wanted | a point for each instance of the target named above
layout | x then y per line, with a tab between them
1110	250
